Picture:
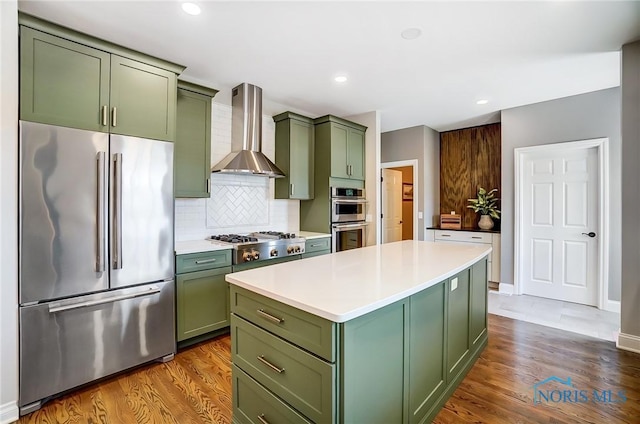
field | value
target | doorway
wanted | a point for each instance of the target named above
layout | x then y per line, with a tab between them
399	197
561	215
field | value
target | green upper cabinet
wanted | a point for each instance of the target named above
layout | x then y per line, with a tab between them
62	82
294	156
74	80
143	100
345	141
192	153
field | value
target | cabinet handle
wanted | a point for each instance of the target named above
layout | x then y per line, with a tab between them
293	189
262	419
205	261
209	185
104	115
270	317
270	365
114	116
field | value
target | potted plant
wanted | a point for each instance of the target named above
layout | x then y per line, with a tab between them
485	204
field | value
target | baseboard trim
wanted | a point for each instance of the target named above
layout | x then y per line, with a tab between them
628	342
506	288
9	412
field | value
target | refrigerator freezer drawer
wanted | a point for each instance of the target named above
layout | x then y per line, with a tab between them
71	342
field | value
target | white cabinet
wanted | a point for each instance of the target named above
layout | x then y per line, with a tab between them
473	237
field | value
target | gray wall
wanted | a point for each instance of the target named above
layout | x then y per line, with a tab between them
630	317
421	143
8	210
586	116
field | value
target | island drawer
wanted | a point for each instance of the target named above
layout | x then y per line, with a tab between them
301	379
318	244
202	261
254	404
310	332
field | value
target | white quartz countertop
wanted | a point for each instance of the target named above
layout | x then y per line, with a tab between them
345	285
195	246
310	235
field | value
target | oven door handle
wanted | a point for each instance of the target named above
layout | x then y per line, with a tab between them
361	201
349	226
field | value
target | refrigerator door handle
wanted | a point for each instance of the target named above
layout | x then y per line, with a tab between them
53	307
100	213
117	207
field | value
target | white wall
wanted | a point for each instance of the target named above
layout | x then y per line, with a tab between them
8	208
238	204
423	144
630	308
372	163
586	116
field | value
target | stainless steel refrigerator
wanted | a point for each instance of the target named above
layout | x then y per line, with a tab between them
96	273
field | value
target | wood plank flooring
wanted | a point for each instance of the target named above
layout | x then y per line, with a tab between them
196	386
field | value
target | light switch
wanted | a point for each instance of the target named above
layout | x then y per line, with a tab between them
454	284
419	215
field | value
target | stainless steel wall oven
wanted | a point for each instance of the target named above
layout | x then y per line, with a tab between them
348	213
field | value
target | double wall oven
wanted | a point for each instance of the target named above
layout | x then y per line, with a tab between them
348	213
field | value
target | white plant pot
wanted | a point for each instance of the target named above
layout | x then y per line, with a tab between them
485	223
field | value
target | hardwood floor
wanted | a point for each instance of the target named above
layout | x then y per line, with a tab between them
196	386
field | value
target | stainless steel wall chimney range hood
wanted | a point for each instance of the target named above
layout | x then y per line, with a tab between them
246	157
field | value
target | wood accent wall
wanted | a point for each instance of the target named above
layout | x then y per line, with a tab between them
469	158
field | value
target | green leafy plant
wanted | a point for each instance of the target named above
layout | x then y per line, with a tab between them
485	203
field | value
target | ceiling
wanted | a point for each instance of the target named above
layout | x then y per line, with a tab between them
509	53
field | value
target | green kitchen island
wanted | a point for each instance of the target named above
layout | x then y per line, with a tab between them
382	334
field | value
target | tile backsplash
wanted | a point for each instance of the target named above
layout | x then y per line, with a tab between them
238	203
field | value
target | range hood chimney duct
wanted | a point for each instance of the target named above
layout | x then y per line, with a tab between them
246	157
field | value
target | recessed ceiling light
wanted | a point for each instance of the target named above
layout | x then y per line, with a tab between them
191	8
482	101
340	78
411	33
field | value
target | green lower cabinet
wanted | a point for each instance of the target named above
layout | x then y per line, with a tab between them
317	247
202	302
457	323
253	404
397	364
372	372
478	304
427	380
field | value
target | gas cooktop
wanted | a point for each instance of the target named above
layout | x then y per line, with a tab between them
262	246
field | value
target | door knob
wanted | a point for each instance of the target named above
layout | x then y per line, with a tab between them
590	234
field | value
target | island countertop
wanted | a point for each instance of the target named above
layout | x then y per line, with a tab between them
345	285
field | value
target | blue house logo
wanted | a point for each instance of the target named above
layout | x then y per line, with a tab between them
570	394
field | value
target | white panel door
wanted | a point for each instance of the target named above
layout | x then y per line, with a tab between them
391	205
560	208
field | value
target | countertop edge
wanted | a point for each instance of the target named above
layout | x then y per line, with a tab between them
355	313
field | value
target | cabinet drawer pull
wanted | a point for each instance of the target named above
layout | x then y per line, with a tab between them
270	317
262	419
445	235
315	245
475	237
270	365
205	261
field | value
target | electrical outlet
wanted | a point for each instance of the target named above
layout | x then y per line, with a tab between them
454	284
